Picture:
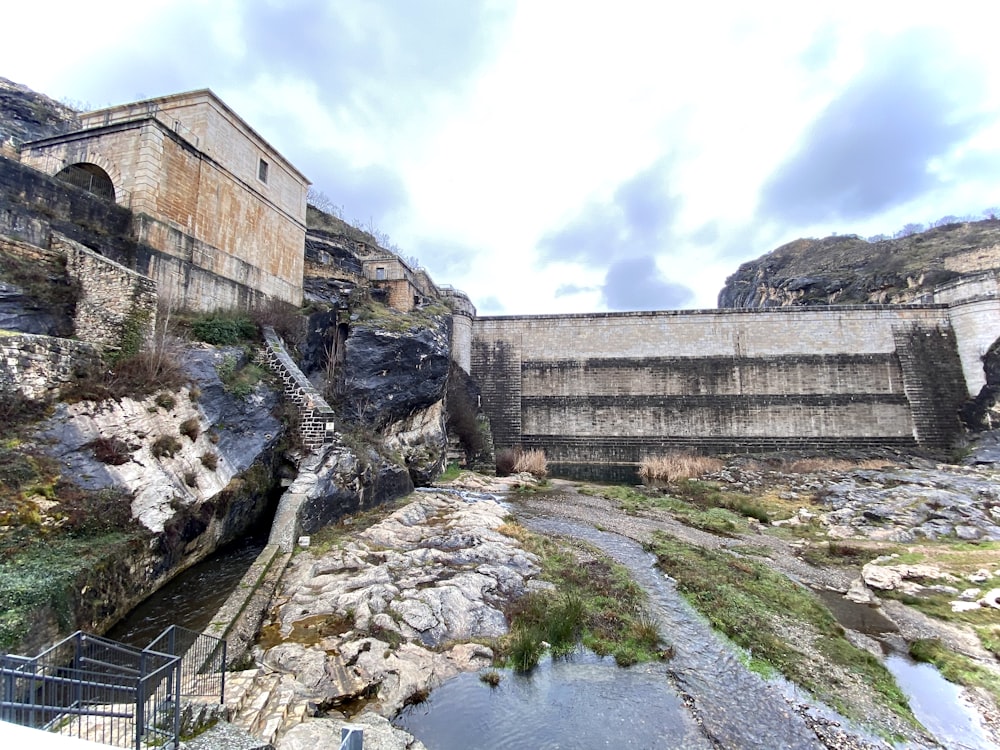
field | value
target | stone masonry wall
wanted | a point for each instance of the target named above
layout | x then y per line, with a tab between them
315	415
36	366
114	302
618	387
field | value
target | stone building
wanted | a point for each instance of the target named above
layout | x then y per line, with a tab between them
223	212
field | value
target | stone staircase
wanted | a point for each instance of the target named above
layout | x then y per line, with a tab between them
263	704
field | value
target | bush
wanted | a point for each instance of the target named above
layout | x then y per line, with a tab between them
224	328
191	428
165	446
210	460
507	460
677	465
165	401
110	450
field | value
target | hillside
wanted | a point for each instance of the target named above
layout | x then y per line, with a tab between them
850	270
26	115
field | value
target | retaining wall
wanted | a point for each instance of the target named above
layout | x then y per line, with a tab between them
316	424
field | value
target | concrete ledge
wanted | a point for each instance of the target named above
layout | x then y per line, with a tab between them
239	618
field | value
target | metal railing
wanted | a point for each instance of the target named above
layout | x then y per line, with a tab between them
203	661
103	691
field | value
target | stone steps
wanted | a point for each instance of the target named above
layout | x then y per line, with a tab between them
264	704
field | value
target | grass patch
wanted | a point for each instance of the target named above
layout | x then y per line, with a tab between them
223	328
595	603
377	315
450	473
848	553
755	606
239	381
956	668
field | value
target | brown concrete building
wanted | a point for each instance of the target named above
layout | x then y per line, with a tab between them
224	211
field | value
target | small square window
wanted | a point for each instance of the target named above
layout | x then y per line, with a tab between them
262	171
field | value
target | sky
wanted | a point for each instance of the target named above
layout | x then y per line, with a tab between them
557	157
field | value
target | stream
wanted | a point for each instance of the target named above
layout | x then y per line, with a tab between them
703	697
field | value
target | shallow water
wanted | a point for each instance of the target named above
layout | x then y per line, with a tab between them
938	705
582	701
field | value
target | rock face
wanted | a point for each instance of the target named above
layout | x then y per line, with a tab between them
908	504
390	374
344	482
395	382
27	115
375	616
983	412
850	270
189	504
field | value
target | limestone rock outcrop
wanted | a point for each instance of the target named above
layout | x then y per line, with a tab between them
383	613
847	269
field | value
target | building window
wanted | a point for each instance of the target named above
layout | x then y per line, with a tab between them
262	171
379	274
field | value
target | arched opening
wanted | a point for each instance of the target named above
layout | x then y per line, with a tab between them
90	177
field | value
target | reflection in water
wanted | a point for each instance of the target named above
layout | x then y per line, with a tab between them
191	599
938	705
578	702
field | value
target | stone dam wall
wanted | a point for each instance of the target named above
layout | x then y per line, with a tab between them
616	387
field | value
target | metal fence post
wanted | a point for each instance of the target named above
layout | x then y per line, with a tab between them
352	737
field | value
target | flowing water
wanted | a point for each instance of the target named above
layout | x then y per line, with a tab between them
703	697
703	686
574	702
938	704
192	598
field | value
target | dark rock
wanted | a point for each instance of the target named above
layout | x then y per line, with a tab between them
20	312
983	412
389	375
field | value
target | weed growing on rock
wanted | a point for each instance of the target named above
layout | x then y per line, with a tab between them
112	451
165	446
595	603
491	677
210	460
191	428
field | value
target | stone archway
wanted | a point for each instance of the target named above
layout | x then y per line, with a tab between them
90	177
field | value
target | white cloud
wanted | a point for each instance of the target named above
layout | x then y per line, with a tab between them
475	132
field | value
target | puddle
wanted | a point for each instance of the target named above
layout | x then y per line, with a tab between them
862	618
938	705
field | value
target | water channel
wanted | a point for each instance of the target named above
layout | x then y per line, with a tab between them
192	598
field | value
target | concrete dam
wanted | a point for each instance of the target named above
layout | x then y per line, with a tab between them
616	387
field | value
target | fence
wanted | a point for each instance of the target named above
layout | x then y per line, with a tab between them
99	690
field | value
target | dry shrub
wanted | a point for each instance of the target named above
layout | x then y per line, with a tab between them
677	465
191	428
111	450
507	460
516	460
814	465
533	462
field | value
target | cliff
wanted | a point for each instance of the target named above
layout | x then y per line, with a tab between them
849	270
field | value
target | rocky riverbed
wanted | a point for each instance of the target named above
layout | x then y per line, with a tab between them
378	617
